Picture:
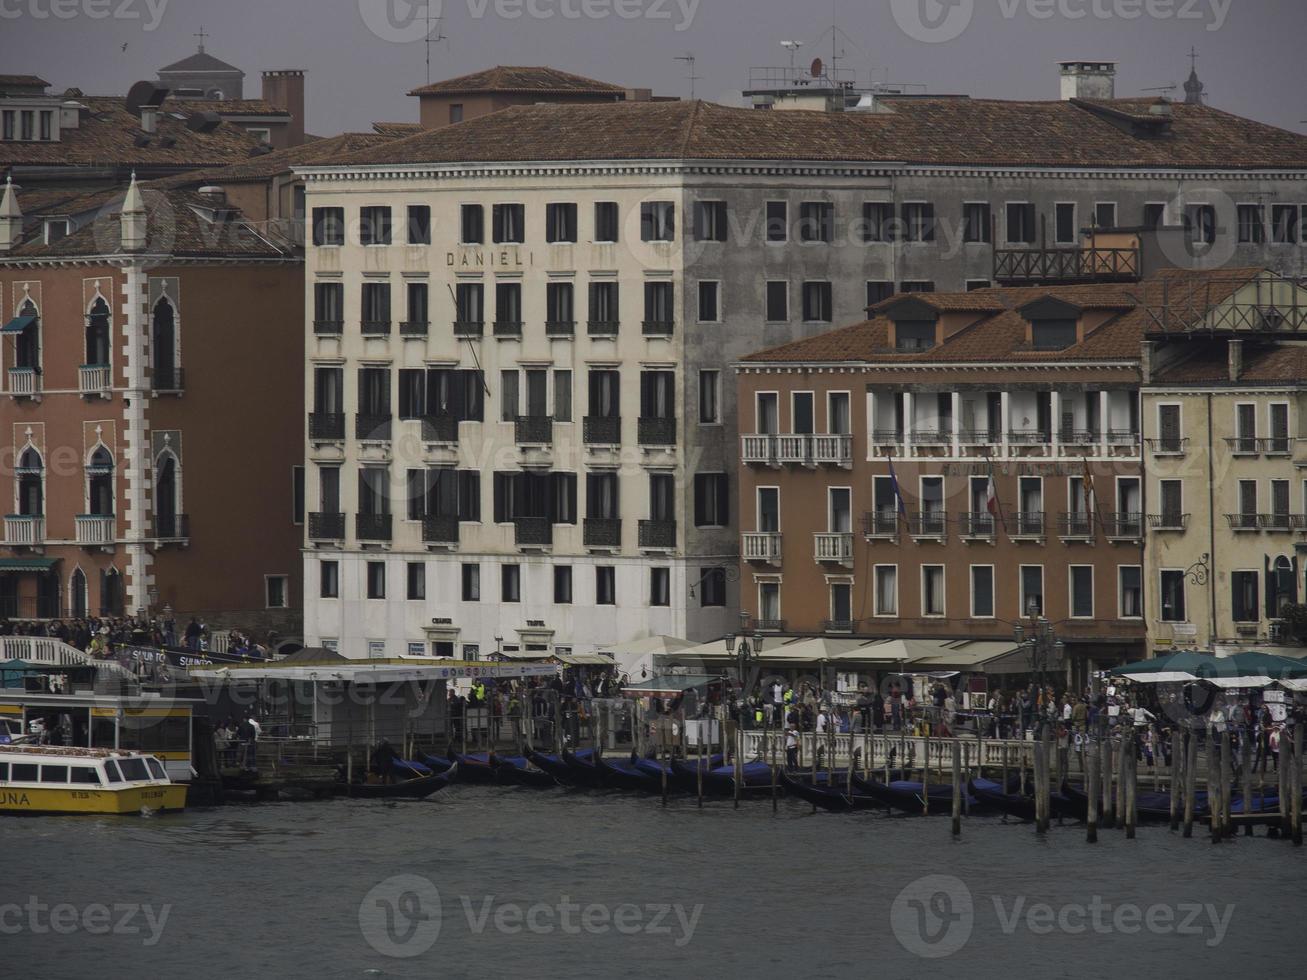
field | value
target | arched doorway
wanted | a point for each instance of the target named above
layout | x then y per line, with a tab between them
97	335
31	486
111	593
77	588
165	496
163	341
100	500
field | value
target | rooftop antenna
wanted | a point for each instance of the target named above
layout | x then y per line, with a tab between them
688	58
429	40
1163	88
793	48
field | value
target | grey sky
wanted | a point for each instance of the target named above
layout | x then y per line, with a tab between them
1251	63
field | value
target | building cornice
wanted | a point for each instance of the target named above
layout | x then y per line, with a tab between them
863	367
138	259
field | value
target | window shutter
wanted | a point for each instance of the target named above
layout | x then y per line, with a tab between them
1271	584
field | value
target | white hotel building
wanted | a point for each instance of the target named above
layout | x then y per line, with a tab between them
522	331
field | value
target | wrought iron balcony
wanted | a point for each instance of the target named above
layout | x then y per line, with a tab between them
327	526
1244	522
439	428
328	328
1275	522
1168	445
508	328
602	328
657	534
1049	266
1121	526
880	524
168	379
439	530
1029	437
833	449
373	527
94	529
839	625
602	430
836	546
761	546
1075	526
534	430
1078	437
24	530
657	432
927	523
758	449
887	437
560	328
325	426
977	524
533	532
602	532
1168	522
372	428
375	328
1027	524
1277	446
980	437
414	328
769	625
172	527
469	328
932	437
1244	445
1123	437
658	328
94	379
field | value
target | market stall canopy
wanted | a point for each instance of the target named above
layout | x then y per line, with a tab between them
668	685
1248	668
646	645
988	656
584	659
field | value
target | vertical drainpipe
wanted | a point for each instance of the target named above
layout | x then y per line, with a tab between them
135	435
1211	533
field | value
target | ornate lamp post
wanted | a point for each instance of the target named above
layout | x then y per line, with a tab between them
1042	641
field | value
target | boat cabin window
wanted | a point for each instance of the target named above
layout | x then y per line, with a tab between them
4	772
133	769
156	769
86	775
111	770
24	772
54	774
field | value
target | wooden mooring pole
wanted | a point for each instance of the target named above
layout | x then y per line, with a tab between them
1246	768
1105	778
1297	783
1190	779
957	788
1129	751
1040	756
1227	773
1089	760
1176	767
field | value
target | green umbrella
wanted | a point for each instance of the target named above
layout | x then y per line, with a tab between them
1249	668
1180	666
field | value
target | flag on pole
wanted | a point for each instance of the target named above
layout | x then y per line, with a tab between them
898	497
991	495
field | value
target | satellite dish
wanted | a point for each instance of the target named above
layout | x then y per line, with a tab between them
816	68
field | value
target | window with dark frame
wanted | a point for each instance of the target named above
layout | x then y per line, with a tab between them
1252	223
658	221
605	585
416	575
918	221
817	222
1131	598
563	585
712	500
778	301
1244	598
712	587
607	219
471	577
710	221
374	225
508	224
660	586
328	226
376	573
1064	223
1020	223
709	311
1082	591
817	302
419	224
560	223
510	583
329	579
471	225
982	591
976	221
1172	596
778	222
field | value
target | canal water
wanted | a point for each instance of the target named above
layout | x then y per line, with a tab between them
483	881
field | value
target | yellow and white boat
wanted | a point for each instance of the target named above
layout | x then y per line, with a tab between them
64	779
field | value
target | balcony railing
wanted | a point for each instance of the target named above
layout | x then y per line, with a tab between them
508	328
602	430
1244	445
758	448
414	328
839	625
439	428
1025	266
833	449
602	328
373	527
887	437
327	425
602	532
469	328
880	524
327	526
1168	445
1027	524
169	379
372	428
1078	437
794	448
172	527
657	534
94	529
1275	522
1168	522
1029	437
24	530
24	381
1122	437
328	328
560	328
1079	526
657	432
932	437
1244	522
977	524
534	430
1120	525
769	625
760	546
375	328
533	532
980	437
94	379
1277	446
658	328
833	546
927	523
439	530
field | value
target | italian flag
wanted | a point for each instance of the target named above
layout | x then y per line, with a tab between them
991	492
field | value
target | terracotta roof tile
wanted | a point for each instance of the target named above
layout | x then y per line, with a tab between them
956	131
1279	363
507	78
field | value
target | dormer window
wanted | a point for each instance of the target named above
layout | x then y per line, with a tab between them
55	229
1054	323
913	335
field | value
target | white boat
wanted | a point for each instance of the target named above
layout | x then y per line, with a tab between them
65	779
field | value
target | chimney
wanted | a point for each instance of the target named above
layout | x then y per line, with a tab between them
1147	361
11	218
1236	358
1088	79
133	219
284	89
149	119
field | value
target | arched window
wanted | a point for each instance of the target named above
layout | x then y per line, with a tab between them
97	335
77	595
111	593
166	487
27	345
31	487
163	345
99	476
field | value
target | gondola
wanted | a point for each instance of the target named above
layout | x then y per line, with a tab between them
685	771
1013	802
1150	806
834	796
626	773
518	770
720	780
558	767
584	769
416	788
475	767
905	795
